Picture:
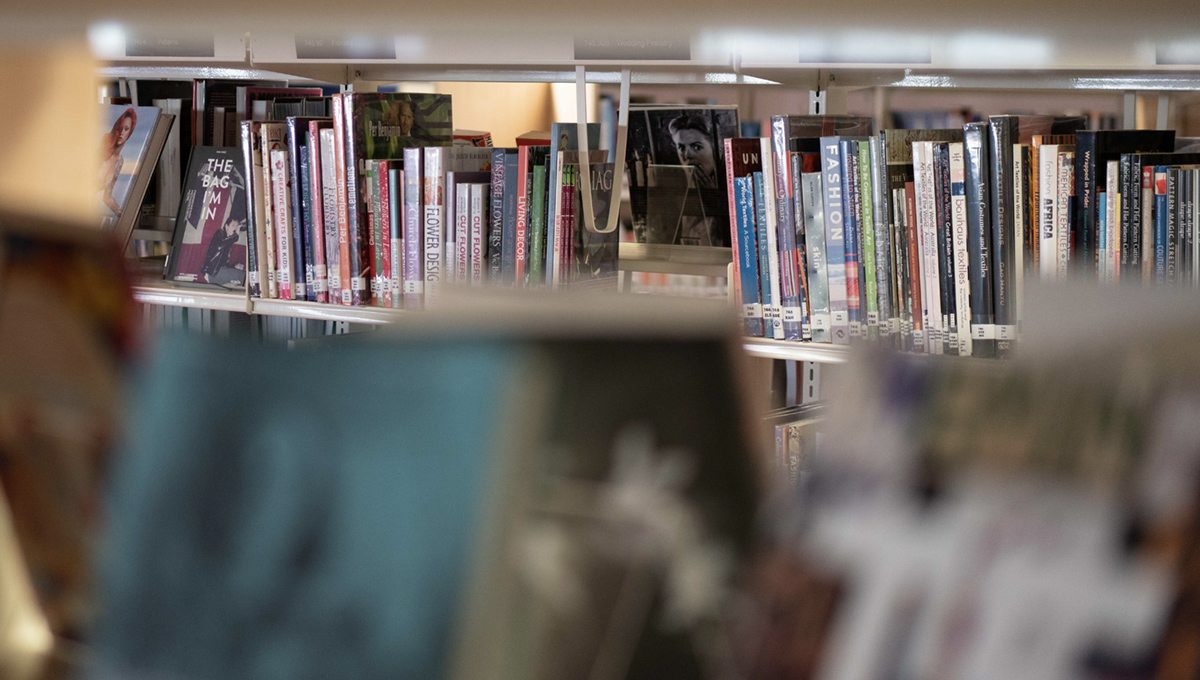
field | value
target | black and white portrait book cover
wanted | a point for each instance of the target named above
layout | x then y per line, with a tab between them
676	159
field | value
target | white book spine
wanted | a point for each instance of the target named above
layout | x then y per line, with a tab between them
279	182
932	281
776	311
462	232
1048	194
333	253
434	221
962	268
478	215
1062	214
269	216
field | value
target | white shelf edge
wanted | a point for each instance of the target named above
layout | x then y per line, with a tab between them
178	296
796	351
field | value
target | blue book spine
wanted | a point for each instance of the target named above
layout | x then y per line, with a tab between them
508	256
835	238
300	277
1160	223
743	188
764	250
1102	227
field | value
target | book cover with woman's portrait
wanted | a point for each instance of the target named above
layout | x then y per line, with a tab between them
676	159
209	245
122	151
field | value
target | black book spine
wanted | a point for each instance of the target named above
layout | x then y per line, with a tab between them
1084	224
496	226
979	240
305	191
1172	225
1000	191
1185	235
945	238
897	176
300	277
249	140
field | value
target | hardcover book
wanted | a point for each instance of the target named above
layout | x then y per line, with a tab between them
677	190
595	255
209	245
129	149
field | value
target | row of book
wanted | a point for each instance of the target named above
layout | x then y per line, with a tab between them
924	238
374	206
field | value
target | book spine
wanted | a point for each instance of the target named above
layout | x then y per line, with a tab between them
1172	226
1111	198
915	278
537	226
850	214
768	259
508	264
1035	201
383	171
301	267
888	319
962	265
434	221
1066	186
1160	224
778	178
931	299
735	282
1018	232
1126	187
1048	181
567	228
835	239
1148	224
867	195
370	192
329	199
496	224
797	204
449	226
1101	199
1000	191
343	199
743	203
899	226
1085	226
978	240
252	170
462	221
1192	190
479	214
318	289
521	217
783	280
396	251
414	235
316	217
280	195
269	228
360	264
945	245
818	269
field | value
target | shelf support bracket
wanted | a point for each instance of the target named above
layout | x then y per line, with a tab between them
585	179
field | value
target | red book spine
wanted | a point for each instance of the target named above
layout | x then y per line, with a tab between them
522	211
735	279
339	159
385	231
914	265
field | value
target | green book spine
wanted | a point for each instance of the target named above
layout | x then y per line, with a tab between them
868	239
537	225
376	233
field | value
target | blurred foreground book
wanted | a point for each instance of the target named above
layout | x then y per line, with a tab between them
529	498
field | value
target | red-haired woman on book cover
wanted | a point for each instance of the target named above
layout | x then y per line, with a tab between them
110	148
